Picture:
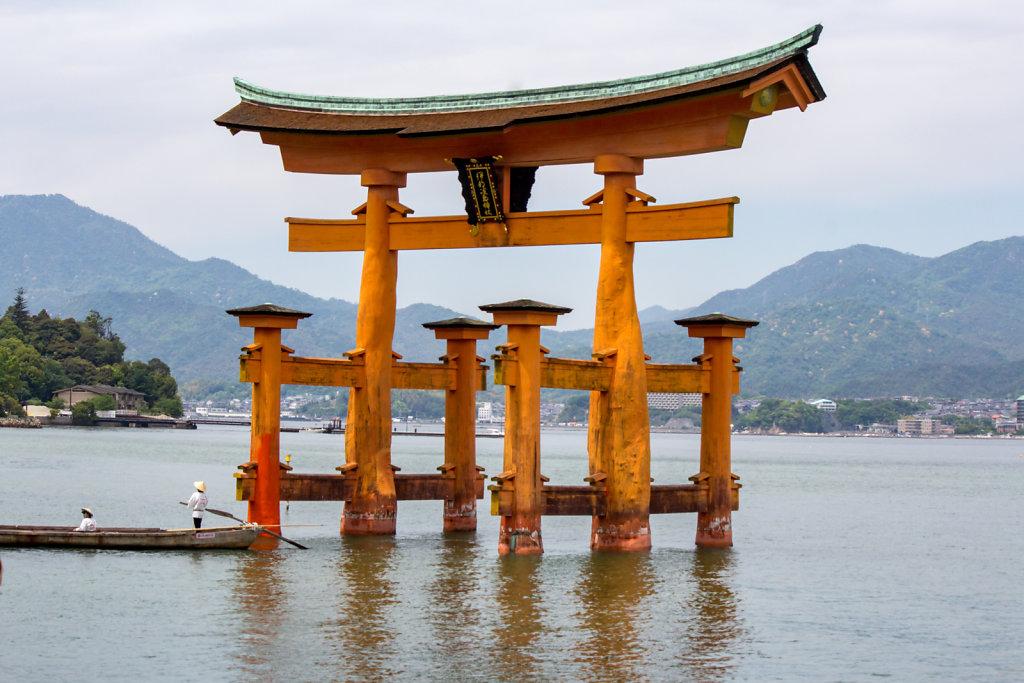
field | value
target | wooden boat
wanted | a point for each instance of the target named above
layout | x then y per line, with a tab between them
114	538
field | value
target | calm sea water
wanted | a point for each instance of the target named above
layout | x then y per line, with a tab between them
855	559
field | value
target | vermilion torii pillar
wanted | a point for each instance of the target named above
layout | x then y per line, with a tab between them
714	525
461	335
520	530
374	504
267	322
619	441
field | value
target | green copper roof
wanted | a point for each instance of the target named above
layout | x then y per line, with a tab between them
798	44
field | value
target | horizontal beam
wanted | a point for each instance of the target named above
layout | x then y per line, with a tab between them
567	373
590	375
695	220
422	376
324	487
592	501
325	372
664	378
337	372
675	498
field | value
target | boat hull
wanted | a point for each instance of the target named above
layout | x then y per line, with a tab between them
129	538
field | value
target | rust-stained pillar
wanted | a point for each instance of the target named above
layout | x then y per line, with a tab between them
462	335
373	507
520	530
619	441
714	526
268	321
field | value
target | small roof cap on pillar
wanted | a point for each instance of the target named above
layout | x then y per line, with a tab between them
716	325
268	316
717	319
525	305
268	309
460	323
461	328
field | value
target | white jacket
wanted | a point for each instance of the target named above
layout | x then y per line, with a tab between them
197	503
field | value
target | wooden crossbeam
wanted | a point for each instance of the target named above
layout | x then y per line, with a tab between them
337	372
592	501
340	487
422	376
695	220
326	372
567	373
663	378
588	375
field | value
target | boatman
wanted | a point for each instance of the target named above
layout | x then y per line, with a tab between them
197	503
88	523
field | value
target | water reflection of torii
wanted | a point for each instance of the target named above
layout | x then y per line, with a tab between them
614	126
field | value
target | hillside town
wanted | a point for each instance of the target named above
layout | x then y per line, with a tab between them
681	413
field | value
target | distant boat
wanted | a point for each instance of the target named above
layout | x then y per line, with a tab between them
224	537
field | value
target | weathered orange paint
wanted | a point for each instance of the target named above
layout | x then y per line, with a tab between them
693	220
619	431
460	427
714	524
520	531
265	507
373	507
265	504
714	527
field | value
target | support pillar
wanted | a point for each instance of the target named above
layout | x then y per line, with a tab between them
519	532
461	335
265	435
618	440
714	526
373	507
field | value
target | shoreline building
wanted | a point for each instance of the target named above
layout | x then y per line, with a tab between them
917	426
126	400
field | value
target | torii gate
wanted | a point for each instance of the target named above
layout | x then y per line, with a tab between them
614	126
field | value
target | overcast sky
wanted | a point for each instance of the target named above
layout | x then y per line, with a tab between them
917	147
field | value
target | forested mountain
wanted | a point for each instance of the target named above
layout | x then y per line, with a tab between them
857	322
71	260
866	321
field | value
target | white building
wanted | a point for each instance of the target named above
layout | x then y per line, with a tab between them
672	401
826	404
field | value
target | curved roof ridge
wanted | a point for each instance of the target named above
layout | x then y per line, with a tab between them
798	44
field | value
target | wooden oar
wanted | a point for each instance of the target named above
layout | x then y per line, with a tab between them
242	521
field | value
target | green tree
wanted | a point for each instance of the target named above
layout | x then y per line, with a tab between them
30	367
139	377
104	402
99	326
787	416
78	370
10	406
169	406
18	313
10	372
83	414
